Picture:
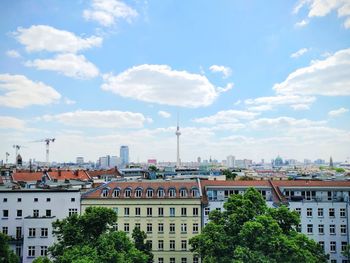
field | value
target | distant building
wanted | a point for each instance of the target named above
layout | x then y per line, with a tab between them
199	160
319	161
124	156
307	161
80	160
152	161
278	162
230	161
331	162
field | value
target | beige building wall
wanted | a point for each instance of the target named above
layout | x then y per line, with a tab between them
186	225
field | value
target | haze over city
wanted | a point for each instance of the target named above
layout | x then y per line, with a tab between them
246	78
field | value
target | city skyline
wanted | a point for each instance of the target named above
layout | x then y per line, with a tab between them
247	79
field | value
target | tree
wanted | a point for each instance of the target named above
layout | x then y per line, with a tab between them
139	239
90	238
229	174
249	232
6	254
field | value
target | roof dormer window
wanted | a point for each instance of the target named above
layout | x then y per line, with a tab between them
104	192
149	192
116	192
127	192
172	192
138	192
161	192
183	192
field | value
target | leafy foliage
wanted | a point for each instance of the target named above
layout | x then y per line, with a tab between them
249	232
6	254
90	238
229	174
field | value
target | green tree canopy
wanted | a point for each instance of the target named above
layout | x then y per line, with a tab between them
6	254
229	174
249	232
90	238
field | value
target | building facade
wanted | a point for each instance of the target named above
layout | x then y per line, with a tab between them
168	211
124	156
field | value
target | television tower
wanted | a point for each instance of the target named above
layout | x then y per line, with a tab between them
178	133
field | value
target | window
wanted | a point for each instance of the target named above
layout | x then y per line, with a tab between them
172	211
160	211
321	229
127	192
48	212
218	209
149	228
342	212
309	228
149	243
126	227
344	244
5	213
31	251
195	260
104	193
298	210
19	250
206	211
36	199
343	229
333	246
48	199
172	245
116	192
331	212
195	228
43	250
137	211
126	211
172	260
149	211
31	232
172	228
149	192
195	192
183	228
321	243
160	245
329	195
298	228
183	244
320	212
332	229
72	199
183	192
195	211
19	200
72	211
183	260
160	260
161	192
35	213
4	200
18	232
183	211
19	213
5	230
172	192
309	212
138	192
44	232
160	227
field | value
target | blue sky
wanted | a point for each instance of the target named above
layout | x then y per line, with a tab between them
247	78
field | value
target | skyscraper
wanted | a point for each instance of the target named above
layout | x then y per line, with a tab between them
124	155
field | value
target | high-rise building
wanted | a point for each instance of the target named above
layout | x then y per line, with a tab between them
80	160
124	155
230	161
330	162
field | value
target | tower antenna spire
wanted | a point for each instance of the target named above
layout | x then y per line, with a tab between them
178	133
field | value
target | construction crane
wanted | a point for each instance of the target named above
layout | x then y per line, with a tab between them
47	142
7	157
17	148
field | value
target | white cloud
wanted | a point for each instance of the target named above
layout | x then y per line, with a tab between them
7	122
100	119
71	65
163	85
20	92
228	87
320	8
164	114
337	112
302	23
46	38
226	71
106	12
267	103
69	101
227	116
283	122
13	53
299	53
237	102
328	77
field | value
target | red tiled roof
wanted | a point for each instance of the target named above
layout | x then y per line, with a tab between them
60	175
311	183
144	185
26	176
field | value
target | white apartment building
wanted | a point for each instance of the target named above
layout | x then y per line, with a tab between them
27	216
322	205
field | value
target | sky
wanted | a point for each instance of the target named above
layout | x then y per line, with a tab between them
245	78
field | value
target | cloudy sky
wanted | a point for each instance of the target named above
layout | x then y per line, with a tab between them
246	78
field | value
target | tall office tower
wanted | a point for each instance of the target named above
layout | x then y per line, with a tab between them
124	155
331	162
230	161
